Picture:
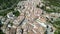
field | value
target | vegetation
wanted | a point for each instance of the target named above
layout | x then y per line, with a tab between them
7	3
57	32
1	24
45	32
16	13
4	13
56	24
53	4
1	32
54	7
7	6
